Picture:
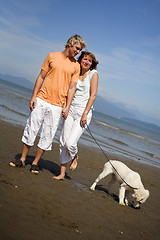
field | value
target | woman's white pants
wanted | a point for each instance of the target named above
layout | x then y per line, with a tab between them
71	132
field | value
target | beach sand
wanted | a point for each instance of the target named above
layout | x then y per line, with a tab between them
38	207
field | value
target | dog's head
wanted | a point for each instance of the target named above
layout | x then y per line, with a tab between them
140	196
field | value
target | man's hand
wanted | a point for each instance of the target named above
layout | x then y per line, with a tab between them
37	87
32	103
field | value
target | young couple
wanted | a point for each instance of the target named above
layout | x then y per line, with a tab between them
64	87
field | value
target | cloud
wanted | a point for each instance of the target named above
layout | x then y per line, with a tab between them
22	44
23	54
152	42
130	65
130	76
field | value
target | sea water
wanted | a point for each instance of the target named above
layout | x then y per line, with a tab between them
112	134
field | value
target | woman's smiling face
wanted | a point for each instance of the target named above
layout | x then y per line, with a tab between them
86	62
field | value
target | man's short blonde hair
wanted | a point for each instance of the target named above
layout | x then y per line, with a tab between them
75	39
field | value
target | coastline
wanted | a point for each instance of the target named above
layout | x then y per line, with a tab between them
38	207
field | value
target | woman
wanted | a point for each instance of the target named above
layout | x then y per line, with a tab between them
80	112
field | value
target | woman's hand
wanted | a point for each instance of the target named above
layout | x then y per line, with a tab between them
83	120
65	111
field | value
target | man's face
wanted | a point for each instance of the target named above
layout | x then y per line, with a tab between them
75	49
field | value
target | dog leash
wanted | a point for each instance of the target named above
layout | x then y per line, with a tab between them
89	131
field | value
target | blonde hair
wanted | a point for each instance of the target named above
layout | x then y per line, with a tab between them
75	39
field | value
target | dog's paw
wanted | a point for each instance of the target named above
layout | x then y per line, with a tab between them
92	188
122	203
126	201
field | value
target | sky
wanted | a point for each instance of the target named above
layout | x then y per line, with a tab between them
124	35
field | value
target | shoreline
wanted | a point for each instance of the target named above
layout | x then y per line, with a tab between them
38	207
110	149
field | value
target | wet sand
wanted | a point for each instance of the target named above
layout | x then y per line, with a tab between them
38	207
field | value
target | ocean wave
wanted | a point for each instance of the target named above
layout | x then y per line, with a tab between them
136	135
151	155
125	131
15	95
11	110
119	142
119	129
119	150
103	144
106	125
156	156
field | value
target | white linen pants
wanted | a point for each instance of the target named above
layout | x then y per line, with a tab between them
71	132
44	115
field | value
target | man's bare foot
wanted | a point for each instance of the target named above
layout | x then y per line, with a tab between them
74	163
60	177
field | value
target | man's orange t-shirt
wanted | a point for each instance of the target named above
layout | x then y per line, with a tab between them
60	72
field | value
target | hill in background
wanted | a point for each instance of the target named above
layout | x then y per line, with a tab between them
17	80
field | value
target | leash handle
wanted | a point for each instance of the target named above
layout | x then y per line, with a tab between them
89	131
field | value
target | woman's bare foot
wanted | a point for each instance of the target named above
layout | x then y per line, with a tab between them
12	164
60	177
74	163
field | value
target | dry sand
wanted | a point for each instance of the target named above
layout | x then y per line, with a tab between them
40	208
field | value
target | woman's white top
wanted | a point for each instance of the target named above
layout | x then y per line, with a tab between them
82	92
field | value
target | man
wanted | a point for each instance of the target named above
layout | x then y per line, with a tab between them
52	96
